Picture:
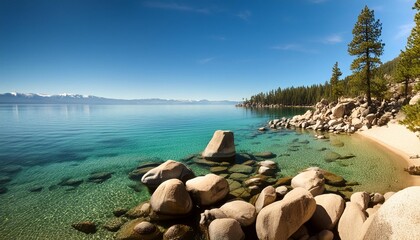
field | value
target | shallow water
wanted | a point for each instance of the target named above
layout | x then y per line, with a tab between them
52	142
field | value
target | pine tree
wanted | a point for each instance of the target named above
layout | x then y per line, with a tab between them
335	88
367	46
402	73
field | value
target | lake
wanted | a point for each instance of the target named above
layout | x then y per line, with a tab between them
40	145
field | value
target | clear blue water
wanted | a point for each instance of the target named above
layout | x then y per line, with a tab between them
52	142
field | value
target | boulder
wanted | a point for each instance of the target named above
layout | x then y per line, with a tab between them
86	227
171	198
208	189
266	171
398	217
351	222
414	100
376	198
115	224
281	219
127	230
241	211
147	231
241	168
325	235
179	232
267	196
311	180
329	208
361	198
225	229
221	146
265	155
141	210
333	179
167	170
209	215
281	191
388	195
338	111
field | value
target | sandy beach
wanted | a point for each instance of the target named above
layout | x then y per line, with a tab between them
398	139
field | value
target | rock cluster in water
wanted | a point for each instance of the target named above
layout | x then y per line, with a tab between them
243	199
346	115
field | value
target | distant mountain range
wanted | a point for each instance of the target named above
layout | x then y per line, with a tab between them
32	98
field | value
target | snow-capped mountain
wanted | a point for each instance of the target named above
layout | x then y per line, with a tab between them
66	98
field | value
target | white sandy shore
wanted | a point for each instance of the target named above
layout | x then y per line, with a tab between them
398	139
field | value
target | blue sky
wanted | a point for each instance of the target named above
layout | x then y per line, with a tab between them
183	49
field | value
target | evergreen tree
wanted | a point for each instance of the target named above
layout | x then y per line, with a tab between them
335	88
367	46
402	73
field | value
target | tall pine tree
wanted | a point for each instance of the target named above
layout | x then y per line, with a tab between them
409	67
367	46
335	88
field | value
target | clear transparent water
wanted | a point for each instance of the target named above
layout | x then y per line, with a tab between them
51	142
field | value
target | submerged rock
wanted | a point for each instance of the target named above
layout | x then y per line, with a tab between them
3	190
5	179
114	224
87	227
331	156
336	143
36	189
240	168
70	182
179	232
265	155
141	210
99	177
221	146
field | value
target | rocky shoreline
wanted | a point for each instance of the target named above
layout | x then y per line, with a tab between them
243	199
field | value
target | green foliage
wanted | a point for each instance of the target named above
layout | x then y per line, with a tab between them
367	46
293	96
412	50
379	88
412	119
336	88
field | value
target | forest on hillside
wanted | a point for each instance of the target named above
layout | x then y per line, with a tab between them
370	77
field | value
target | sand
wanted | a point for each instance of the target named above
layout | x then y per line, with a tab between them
398	139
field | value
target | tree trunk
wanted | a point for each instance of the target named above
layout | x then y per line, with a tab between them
406	87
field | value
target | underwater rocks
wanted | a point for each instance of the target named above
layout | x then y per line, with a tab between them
99	177
5	179
87	227
221	147
251	207
36	189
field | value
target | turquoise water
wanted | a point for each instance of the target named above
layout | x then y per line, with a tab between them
46	143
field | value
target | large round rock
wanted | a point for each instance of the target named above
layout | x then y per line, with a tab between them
221	146
208	189
171	198
167	170
398	217
329	208
311	180
351	222
225	229
241	211
266	197
281	219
